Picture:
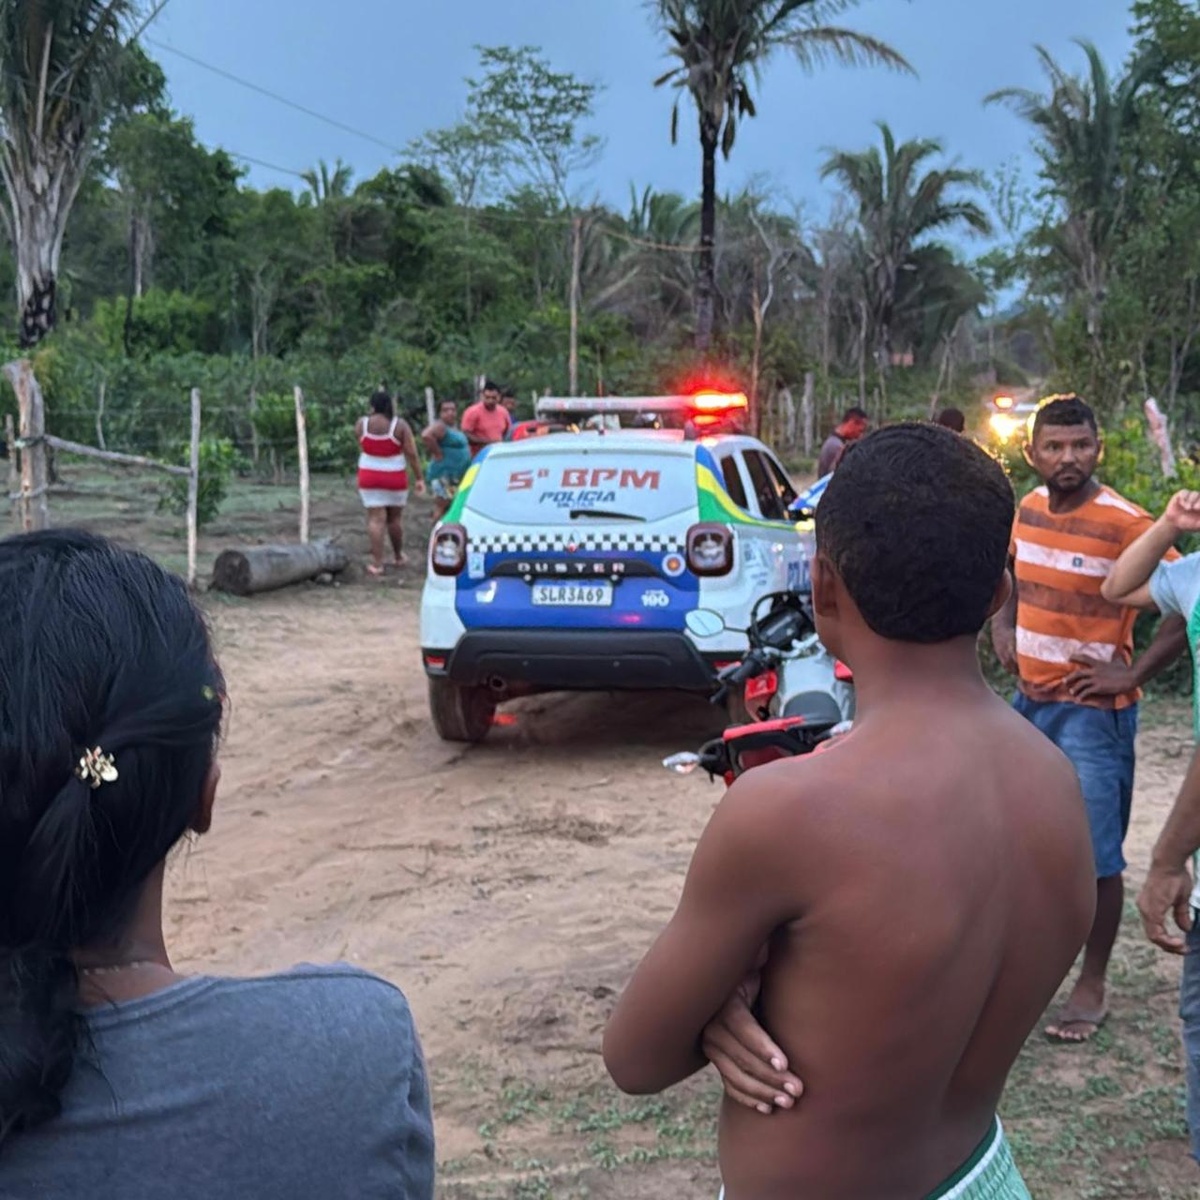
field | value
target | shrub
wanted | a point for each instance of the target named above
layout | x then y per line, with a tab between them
218	461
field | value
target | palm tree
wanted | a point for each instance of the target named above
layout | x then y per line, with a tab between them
899	208
326	185
62	65
1082	125
656	240
721	47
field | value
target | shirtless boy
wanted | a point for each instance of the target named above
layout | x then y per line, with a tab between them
919	891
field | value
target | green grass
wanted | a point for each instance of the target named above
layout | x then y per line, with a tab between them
125	504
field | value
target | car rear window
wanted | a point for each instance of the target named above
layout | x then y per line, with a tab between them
733	481
580	485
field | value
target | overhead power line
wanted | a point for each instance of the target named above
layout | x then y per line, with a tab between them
284	100
154	15
258	162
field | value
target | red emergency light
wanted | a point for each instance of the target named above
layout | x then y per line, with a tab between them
719	402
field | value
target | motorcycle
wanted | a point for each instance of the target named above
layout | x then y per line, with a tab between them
800	695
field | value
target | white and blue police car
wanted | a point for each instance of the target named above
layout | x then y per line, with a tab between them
570	561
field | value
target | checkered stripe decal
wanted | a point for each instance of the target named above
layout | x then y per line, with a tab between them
621	541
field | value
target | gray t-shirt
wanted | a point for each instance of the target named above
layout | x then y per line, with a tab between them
302	1086
831	455
1175	590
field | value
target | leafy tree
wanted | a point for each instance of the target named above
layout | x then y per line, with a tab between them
173	193
532	118
721	47
470	156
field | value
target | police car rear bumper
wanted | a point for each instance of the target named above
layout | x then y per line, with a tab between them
572	660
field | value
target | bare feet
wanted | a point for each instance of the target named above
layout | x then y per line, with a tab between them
401	560
375	570
1082	1018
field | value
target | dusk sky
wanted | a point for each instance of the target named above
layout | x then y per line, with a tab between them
394	68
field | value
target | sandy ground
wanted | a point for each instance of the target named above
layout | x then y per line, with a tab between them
507	888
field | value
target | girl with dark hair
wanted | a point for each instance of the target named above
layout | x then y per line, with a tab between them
387	460
115	1069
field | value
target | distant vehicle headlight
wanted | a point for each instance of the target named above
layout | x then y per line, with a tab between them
1005	425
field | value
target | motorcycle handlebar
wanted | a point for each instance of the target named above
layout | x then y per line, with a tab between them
753	665
781	628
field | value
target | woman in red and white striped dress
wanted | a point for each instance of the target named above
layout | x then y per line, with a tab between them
386	465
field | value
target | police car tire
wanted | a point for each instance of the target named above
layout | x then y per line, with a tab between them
460	714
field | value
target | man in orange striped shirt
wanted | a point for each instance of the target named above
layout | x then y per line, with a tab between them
1072	652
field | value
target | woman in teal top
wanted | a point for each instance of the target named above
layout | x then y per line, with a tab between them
450	455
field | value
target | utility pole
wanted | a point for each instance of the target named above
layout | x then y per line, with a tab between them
576	269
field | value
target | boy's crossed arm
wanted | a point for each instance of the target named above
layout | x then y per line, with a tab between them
740	888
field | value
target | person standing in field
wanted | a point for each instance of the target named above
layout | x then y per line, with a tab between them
854	424
388	463
509	400
487	421
450	456
1144	578
1072	652
899	909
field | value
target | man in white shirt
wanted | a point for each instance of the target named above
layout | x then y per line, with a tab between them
1142	579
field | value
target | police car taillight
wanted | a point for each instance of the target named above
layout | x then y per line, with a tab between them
709	550
448	554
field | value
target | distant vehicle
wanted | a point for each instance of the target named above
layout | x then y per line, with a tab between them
570	561
1009	415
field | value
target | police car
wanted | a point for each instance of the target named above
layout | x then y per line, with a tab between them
570	561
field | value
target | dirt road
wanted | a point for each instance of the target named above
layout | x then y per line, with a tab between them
508	888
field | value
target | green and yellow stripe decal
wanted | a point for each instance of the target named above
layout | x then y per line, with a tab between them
714	503
717	505
455	511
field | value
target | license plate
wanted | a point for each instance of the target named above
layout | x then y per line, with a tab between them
573	595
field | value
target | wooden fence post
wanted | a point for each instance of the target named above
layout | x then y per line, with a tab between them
14	471
193	509
806	408
302	448
100	416
254	450
31	418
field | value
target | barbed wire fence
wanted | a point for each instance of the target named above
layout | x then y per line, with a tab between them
30	486
39	483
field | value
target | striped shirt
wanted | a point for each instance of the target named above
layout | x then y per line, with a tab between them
1061	561
382	466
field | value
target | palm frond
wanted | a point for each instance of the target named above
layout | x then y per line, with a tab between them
821	45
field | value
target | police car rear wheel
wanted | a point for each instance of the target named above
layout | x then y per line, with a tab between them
460	714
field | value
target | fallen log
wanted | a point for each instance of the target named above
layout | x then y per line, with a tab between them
265	568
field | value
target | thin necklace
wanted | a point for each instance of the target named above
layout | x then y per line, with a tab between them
115	968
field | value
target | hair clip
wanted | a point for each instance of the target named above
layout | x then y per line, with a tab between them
96	768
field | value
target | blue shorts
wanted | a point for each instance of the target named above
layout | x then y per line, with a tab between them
1189	1010
1100	744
